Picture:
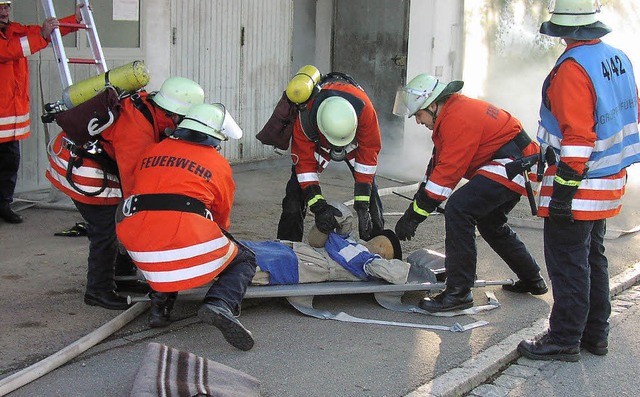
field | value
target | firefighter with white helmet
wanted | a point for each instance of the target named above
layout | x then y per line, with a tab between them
184	192
178	94
145	118
336	122
589	118
474	140
17	42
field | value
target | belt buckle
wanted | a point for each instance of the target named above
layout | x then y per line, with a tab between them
127	206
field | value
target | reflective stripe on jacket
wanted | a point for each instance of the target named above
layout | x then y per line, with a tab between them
181	250
89	177
467	134
311	158
16	44
575	95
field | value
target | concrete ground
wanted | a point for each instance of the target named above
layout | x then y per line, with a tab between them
41	309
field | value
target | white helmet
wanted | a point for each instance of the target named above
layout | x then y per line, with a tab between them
212	120
178	94
421	92
574	19
337	121
5	2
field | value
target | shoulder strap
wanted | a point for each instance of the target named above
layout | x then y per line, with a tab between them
142	107
338	76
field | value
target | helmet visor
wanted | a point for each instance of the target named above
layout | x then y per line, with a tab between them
409	101
230	128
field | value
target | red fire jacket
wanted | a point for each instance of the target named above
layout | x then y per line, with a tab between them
88	176
181	250
573	101
131	135
466	135
311	159
16	44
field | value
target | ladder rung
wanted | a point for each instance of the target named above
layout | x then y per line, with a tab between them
83	61
74	25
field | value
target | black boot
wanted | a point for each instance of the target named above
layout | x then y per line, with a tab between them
546	349
137	286
535	286
107	299
218	314
452	298
161	306
597	347
8	215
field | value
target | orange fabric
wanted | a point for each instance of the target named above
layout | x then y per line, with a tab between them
368	139
131	135
187	243
17	42
466	135
89	176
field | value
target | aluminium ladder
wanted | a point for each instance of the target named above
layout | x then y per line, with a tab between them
88	24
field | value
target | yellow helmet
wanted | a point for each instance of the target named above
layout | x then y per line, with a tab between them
337	121
212	120
178	94
303	84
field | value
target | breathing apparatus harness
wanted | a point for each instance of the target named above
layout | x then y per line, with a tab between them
308	116
93	150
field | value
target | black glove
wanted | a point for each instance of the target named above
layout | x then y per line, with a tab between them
565	186
365	226
560	212
408	223
326	217
325	214
361	197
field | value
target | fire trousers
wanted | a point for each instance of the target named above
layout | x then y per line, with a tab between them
579	273
9	165
233	281
484	204
104	261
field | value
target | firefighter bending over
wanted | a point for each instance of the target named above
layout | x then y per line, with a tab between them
336	122
474	140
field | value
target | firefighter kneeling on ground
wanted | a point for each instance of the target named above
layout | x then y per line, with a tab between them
474	140
174	225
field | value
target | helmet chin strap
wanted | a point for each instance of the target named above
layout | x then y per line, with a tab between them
433	114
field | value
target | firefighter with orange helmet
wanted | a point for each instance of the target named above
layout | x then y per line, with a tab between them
91	178
589	117
472	139
337	122
17	42
183	192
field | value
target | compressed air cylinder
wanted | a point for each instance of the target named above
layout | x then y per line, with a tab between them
301	86
127	78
